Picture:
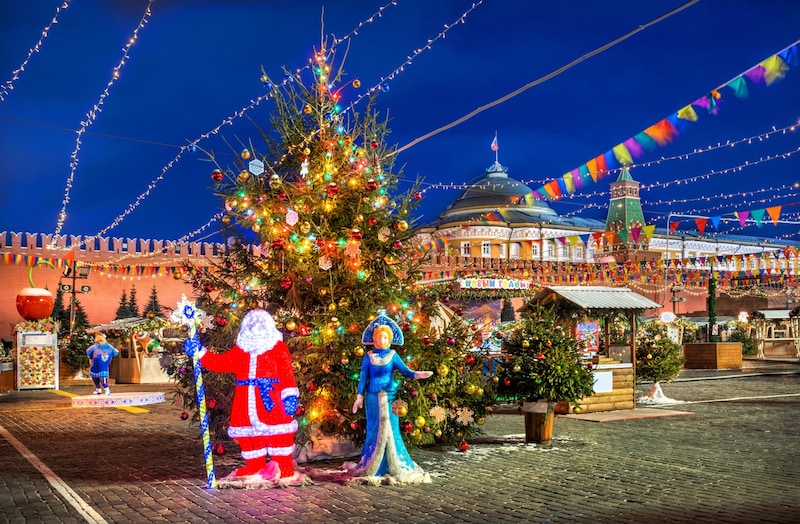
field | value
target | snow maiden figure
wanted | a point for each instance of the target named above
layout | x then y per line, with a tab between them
384	457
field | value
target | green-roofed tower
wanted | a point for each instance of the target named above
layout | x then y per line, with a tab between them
626	221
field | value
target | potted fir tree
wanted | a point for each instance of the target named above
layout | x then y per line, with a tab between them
543	367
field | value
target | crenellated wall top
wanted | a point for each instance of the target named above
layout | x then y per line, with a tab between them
103	249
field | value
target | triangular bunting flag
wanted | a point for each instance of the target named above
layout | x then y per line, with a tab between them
701	224
774	213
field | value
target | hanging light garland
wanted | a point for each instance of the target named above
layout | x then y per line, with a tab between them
92	115
9	85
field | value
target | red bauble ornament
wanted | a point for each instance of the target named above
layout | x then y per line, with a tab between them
332	189
463	445
286	283
217	175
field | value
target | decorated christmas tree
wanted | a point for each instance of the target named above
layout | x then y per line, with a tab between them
658	358
321	237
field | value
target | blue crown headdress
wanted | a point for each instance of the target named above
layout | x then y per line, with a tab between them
383	320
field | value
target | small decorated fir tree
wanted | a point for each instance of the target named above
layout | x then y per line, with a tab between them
543	362
658	358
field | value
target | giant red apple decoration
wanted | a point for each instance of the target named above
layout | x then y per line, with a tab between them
35	303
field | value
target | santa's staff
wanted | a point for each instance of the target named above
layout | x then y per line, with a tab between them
189	316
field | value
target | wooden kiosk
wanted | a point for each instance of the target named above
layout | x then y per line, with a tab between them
140	350
614	368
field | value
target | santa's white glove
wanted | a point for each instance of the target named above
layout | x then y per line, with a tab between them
358	403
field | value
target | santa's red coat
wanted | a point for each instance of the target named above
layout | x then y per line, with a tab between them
270	372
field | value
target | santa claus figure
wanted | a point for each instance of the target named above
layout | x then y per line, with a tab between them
265	398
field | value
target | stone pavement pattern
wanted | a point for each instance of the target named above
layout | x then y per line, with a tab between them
728	462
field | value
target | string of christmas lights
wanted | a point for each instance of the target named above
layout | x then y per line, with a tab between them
193	145
92	115
383	86
9	85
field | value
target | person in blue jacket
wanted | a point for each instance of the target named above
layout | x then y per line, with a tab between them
384	455
100	354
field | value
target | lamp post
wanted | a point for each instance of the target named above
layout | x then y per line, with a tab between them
75	271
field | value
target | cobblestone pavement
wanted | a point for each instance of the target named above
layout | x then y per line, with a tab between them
733	459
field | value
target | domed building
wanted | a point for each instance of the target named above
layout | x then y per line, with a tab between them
496	241
496	217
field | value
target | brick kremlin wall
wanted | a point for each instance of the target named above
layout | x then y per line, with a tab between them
117	264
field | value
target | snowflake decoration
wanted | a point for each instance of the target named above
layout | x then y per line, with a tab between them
353	249
187	314
464	416
256	167
398	405
325	263
292	217
438	413
383	234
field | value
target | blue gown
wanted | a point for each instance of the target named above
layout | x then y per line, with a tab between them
384	453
